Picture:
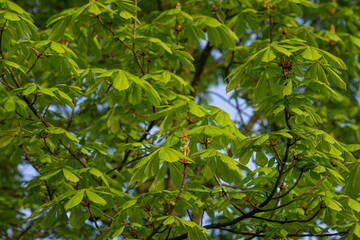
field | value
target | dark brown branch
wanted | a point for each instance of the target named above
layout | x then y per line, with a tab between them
289	221
200	66
300	196
225	193
6	83
155	231
38	56
4	57
251	123
181	189
33	165
289	235
87	107
93	218
277	154
295	184
123	43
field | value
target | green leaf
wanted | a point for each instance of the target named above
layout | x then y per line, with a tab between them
261	160
268	55
70	176
357	230
117	231
281	50
57	47
10	105
95	198
63	96
354	205
128	204
288	88
331	203
77	218
311	53
121	81
75	200
336	79
11	16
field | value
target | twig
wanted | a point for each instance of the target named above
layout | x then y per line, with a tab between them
33	165
225	193
278	200
6	83
123	43
289	235
300	196
295	184
93	218
4	57
289	221
38	56
277	154
87	107
181	190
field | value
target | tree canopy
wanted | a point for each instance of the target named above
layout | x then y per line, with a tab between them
107	101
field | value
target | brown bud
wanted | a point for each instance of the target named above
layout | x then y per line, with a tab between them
178	28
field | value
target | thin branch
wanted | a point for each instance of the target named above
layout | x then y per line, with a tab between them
200	66
300	196
33	165
38	56
181	190
155	231
277	202
289	221
143	137
24	231
295	184
277	154
6	83
289	235
225	193
123	43
93	218
87	107
4	57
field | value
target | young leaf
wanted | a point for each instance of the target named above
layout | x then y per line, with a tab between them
95	198
75	200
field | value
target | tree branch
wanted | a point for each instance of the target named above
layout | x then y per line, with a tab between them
93	218
123	43
33	165
87	107
201	62
290	221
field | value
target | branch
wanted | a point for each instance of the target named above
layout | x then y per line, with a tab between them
300	196
6	83
38	56
277	154
289	235
195	83
295	184
93	218
181	189
290	221
225	193
143	137
123	43
155	231
4	57
33	165
87	107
